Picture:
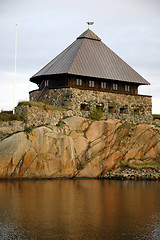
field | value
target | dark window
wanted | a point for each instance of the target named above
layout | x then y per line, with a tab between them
99	107
103	85
111	109
136	111
84	107
124	110
79	82
115	86
91	83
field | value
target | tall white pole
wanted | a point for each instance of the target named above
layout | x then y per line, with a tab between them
15	62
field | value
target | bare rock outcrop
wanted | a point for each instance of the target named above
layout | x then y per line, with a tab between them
78	147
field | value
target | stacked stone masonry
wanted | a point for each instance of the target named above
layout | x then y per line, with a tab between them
131	108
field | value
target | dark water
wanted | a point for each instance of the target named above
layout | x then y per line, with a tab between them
80	209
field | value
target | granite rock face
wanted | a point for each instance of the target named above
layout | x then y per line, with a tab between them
78	147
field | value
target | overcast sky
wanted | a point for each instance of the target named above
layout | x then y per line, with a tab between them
131	28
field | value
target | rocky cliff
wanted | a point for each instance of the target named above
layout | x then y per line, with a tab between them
78	147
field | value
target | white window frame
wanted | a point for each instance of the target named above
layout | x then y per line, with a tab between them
127	88
79	82
46	83
115	86
91	83
103	85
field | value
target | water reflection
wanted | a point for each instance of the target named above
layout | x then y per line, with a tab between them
79	209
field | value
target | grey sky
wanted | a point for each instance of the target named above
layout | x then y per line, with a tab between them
131	28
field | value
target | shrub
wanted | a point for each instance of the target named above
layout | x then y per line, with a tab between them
96	114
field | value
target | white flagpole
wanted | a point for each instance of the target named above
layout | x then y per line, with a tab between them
15	61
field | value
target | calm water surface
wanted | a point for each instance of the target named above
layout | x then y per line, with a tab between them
80	209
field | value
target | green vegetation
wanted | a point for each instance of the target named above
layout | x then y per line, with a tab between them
156	116
145	164
41	105
28	131
80	164
9	116
96	114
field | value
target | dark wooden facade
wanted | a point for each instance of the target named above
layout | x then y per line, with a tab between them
103	85
86	83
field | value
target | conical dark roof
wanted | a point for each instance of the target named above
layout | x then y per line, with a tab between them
89	56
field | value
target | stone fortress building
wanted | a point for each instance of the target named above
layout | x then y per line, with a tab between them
88	75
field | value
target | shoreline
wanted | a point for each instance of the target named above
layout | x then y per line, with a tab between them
134	174
145	174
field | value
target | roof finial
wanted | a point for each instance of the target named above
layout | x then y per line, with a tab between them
90	23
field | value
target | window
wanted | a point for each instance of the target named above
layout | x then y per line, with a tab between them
124	110
84	107
127	88
103	84
111	109
79	82
136	111
46	83
115	86
91	83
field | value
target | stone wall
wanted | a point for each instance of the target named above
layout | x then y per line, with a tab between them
34	116
7	128
131	108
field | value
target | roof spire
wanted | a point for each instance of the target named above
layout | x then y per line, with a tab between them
90	23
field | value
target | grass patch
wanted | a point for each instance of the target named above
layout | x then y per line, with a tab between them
9	116
41	105
124	165
144	165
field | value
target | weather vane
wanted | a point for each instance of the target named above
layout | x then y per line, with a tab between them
90	23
